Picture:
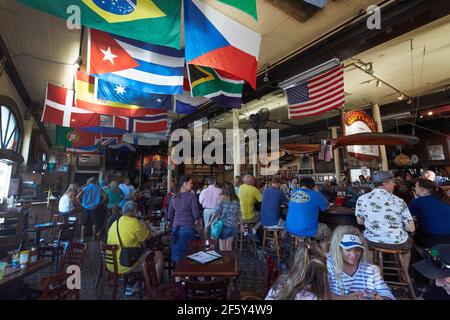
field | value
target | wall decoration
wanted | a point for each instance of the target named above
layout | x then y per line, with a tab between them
436	152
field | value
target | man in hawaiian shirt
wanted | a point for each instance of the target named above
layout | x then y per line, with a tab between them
386	217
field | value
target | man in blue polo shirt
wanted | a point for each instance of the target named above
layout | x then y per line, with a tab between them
303	212
272	200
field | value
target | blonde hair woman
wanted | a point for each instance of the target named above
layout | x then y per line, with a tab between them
351	275
306	280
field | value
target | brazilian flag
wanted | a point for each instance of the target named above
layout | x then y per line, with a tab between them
152	21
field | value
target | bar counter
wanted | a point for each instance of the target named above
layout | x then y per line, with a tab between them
338	215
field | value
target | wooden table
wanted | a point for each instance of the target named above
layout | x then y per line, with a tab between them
12	283
337	215
38	228
226	267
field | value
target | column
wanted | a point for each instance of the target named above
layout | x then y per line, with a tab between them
169	166
236	144
26	140
377	118
337	158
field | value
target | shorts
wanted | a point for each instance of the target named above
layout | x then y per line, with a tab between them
254	219
92	217
405	246
228	232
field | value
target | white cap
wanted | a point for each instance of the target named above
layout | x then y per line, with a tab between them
351	241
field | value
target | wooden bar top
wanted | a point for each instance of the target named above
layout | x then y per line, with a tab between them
341	210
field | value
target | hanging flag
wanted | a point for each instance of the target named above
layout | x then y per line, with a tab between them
319	94
214	40
74	138
152	68
185	103
153	21
222	88
153	123
136	140
85	99
248	6
91	149
115	92
59	110
123	147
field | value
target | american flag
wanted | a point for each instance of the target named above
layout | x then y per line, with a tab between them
319	94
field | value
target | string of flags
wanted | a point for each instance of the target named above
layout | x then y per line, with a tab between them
137	71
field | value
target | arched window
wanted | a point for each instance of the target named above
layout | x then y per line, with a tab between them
10	132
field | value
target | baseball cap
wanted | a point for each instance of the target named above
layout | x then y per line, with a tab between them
436	264
350	241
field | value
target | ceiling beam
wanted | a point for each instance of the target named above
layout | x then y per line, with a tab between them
398	18
13	75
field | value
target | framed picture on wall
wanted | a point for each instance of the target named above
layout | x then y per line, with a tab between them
289	169
294	169
314	178
320	178
435	152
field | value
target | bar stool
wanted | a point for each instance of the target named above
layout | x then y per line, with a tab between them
246	241
273	235
295	240
393	268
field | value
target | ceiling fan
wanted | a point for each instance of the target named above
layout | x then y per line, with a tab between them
259	120
356	139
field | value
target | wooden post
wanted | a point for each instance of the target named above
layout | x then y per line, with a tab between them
377	118
336	156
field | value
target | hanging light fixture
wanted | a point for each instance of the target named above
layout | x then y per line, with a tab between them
401	96
379	83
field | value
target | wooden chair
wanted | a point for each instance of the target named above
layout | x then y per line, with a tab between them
111	278
169	291
55	288
74	255
394	271
273	236
55	246
205	290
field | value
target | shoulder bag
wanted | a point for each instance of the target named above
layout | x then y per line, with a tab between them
128	256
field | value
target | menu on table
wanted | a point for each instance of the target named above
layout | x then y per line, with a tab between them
205	256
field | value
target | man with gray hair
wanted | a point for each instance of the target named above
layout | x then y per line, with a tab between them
429	175
386	217
209	199
129	232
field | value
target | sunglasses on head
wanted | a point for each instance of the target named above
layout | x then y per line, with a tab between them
434	256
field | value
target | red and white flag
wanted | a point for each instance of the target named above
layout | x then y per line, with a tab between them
59	109
319	94
105	55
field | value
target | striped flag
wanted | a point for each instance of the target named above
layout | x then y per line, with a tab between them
134	64
185	103
85	99
219	86
319	94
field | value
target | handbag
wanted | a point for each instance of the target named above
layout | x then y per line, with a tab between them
128	256
216	229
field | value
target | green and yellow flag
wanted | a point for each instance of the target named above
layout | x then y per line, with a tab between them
248	6
152	21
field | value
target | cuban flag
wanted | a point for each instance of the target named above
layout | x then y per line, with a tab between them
134	64
118	93
216	41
